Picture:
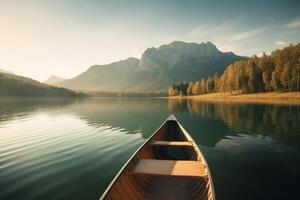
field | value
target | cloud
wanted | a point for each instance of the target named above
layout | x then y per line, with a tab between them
294	24
199	31
231	35
213	30
245	35
280	43
217	33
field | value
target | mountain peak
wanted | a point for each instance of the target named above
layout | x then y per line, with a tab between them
203	48
54	79
207	44
177	43
5	71
210	44
172	54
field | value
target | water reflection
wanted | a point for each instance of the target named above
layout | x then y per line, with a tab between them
13	108
53	143
212	121
45	147
115	112
280	122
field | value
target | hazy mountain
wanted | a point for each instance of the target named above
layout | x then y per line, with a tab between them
156	70
111	77
13	85
54	79
4	71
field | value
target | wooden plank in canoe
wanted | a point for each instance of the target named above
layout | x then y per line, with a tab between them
171	143
169	168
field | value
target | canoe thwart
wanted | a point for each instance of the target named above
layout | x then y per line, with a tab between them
169	168
171	143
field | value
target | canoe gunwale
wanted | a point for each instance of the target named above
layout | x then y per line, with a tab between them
202	158
171	117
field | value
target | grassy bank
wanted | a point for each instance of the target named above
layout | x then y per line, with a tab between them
268	97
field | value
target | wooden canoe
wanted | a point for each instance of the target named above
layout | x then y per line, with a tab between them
169	165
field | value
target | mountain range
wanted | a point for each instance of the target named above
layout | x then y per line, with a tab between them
157	69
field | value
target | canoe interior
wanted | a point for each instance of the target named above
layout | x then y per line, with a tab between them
130	185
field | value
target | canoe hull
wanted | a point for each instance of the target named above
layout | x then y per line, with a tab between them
169	165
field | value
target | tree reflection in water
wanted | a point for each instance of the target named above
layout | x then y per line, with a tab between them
279	122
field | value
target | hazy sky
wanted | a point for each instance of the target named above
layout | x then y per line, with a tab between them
44	37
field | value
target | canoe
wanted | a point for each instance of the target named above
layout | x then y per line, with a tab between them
169	165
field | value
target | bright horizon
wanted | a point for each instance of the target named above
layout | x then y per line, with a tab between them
43	38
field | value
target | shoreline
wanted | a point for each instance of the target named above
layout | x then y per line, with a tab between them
266	97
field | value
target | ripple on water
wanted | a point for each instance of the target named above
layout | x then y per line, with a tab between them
49	152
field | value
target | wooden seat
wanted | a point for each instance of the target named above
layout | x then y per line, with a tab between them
171	143
169	168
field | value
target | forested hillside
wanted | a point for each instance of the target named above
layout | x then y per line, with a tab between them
13	85
279	71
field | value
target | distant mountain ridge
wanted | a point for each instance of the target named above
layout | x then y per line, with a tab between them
54	79
156	70
4	71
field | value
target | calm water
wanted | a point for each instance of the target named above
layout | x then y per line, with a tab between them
72	148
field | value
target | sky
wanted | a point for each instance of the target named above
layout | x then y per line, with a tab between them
39	38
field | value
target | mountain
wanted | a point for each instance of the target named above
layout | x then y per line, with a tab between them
156	70
13	85
4	71
104	77
54	79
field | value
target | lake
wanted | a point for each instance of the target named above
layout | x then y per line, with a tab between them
72	148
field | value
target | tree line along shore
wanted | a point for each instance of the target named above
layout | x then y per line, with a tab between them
290	98
278	72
